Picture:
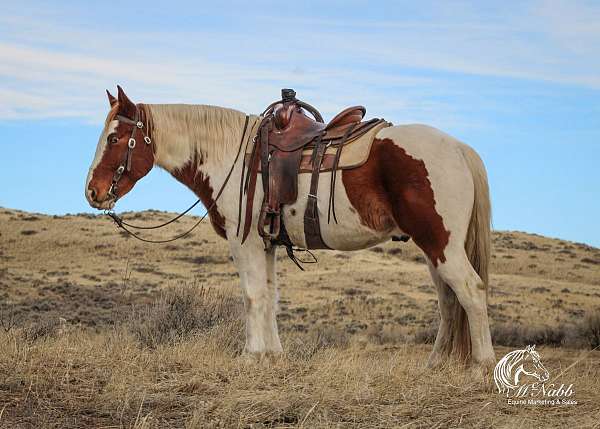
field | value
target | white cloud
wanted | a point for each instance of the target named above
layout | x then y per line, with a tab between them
52	66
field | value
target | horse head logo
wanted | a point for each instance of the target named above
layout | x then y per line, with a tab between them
511	367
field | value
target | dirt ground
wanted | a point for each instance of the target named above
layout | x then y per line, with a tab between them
356	328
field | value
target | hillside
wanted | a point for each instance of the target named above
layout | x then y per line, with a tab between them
365	307
79	267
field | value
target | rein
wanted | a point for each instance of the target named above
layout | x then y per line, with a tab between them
127	164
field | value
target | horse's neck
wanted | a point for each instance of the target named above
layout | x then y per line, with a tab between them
198	146
196	137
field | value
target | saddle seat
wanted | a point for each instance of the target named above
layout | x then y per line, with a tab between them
289	143
294	129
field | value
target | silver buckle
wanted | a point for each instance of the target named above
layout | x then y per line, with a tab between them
139	124
147	140
121	169
131	143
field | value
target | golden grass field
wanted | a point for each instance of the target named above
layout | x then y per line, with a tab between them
100	330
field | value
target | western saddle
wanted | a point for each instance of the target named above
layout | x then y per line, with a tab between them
284	134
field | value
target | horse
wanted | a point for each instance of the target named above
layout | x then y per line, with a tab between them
512	366
417	182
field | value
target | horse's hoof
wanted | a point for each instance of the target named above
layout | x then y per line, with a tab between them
248	358
487	364
435	360
482	370
264	358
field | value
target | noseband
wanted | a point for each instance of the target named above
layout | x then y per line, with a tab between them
126	163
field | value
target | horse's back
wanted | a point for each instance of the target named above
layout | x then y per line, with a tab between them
420	139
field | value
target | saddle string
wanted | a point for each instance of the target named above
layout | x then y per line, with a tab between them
245	177
123	225
336	161
241	192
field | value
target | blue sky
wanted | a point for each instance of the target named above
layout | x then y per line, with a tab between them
518	81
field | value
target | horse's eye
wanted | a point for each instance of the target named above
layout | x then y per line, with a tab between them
112	139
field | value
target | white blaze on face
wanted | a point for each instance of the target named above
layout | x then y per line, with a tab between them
102	143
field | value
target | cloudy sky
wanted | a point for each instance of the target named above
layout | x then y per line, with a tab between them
518	81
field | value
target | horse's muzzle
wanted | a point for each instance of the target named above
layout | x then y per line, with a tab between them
107	203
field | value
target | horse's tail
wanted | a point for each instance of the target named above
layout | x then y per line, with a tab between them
479	236
477	248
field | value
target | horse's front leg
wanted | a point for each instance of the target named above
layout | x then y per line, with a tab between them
259	286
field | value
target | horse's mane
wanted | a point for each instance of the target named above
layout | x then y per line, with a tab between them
202	131
504	369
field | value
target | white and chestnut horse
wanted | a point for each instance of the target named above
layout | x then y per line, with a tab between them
417	181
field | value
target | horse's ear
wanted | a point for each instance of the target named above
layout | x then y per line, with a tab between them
126	106
111	99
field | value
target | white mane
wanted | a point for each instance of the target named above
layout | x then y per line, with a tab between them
196	133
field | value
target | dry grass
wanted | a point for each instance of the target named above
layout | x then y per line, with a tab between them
181	312
589	330
584	334
82	379
74	377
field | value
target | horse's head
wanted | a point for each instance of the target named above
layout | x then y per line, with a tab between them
124	154
532	365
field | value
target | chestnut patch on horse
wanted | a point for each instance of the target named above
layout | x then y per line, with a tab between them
393	188
197	182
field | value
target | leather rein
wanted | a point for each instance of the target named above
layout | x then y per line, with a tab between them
126	165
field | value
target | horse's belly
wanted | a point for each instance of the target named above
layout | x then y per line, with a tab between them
349	233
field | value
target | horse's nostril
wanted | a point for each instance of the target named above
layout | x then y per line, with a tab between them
93	193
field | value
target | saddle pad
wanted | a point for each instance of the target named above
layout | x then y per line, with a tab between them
354	153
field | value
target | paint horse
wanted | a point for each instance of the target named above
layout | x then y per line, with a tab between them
515	364
417	182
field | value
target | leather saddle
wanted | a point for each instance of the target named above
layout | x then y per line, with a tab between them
285	133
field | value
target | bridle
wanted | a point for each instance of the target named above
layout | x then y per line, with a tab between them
126	163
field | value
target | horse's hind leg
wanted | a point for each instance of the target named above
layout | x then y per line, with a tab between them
446	340
458	273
